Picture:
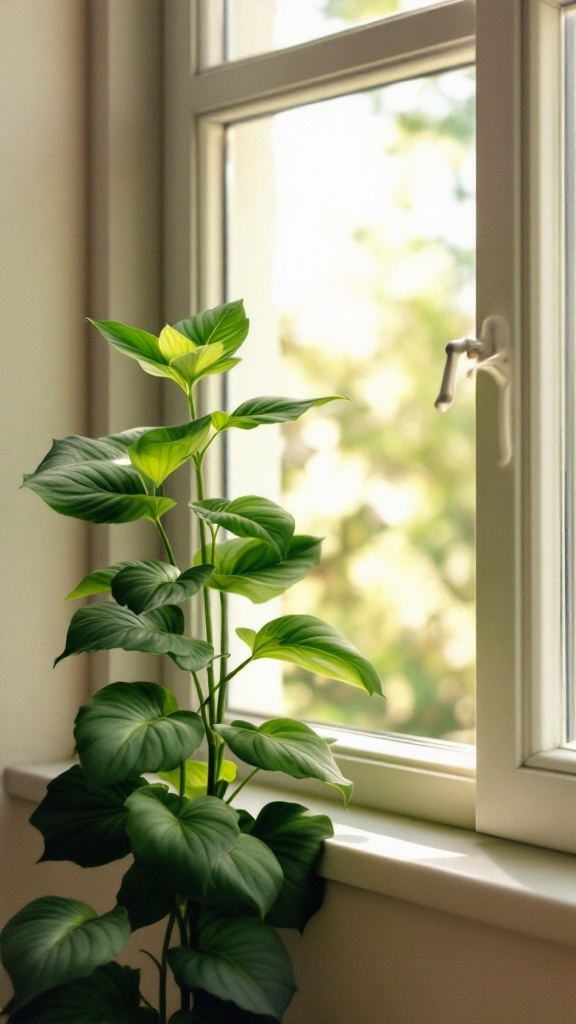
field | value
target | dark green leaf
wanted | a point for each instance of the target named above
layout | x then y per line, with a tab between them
250	516
54	940
111	995
267	409
142	586
295	837
282	745
216	1011
145	896
94	480
238	960
103	627
82	826
99	582
130	728
245	880
252	569
138	345
181	839
161	451
314	645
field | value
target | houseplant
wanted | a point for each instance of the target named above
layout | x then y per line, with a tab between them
222	879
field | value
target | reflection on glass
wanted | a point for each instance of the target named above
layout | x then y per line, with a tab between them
350	236
257	26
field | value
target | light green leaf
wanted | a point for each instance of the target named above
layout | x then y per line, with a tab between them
226	325
267	409
196	776
127	729
314	645
180	839
283	745
295	837
161	451
171	343
105	626
94	480
79	825
251	568
245	880
99	582
250	516
238	960
143	586
138	345
110	995
199	362
54	940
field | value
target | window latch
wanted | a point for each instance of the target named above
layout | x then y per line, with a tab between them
491	353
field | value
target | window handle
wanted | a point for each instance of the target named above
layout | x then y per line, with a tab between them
491	353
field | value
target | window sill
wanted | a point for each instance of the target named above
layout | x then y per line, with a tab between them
494	881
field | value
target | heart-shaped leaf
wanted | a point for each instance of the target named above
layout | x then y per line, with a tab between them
106	626
196	777
93	480
82	826
266	409
138	345
295	837
99	582
249	516
130	728
283	745
238	960
146	897
161	451
314	645
54	940
245	880
110	995
251	568
226	325
181	839
142	586
217	1011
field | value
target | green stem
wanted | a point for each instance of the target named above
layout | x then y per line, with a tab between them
212	744
224	656
242	784
164	970
239	668
166	543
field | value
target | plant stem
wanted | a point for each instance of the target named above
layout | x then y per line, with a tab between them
223	655
166	543
164	970
242	784
239	668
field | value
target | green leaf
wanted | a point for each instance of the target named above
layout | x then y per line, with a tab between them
130	728
142	586
250	516
238	960
99	582
295	837
267	409
181	839
82	826
161	451
245	880
252	569
146	897
105	626
282	745
199	362
93	480
138	345
54	940
110	995
314	645
217	1011
196	776
226	325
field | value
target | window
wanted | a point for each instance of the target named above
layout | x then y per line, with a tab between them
250	90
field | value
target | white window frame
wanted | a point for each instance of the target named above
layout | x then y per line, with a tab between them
525	778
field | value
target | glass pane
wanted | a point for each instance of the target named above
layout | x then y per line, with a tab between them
569	366
258	26
350	236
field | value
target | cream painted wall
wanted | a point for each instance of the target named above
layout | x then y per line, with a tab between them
365	959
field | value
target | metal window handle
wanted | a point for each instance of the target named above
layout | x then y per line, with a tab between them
491	353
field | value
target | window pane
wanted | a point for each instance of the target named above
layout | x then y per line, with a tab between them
258	26
350	235
569	372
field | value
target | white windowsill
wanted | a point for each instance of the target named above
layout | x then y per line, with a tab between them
495	881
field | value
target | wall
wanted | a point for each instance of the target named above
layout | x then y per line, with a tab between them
366	958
